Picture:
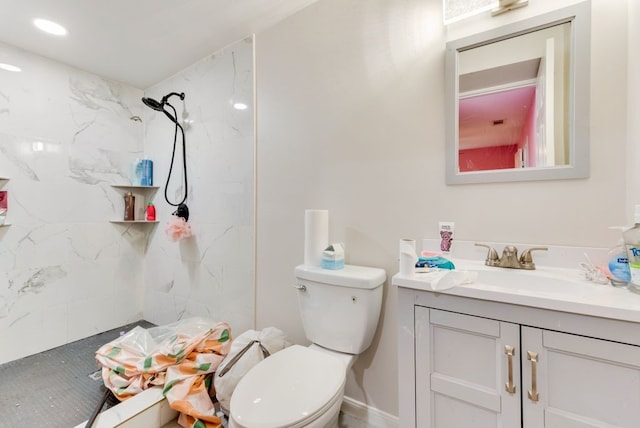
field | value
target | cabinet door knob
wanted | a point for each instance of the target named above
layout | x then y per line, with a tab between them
510	352
533	392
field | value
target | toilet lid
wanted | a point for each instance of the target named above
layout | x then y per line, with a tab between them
286	388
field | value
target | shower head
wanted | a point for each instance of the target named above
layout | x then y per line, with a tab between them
150	102
159	106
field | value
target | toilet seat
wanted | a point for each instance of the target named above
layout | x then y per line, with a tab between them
291	388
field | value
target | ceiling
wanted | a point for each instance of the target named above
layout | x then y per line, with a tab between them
495	119
137	42
506	74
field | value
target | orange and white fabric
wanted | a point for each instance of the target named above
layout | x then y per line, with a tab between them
180	357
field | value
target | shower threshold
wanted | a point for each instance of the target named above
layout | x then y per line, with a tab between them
149	409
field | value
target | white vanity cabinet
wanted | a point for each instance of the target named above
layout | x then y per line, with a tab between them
461	371
469	362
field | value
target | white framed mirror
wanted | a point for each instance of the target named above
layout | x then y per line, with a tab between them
517	100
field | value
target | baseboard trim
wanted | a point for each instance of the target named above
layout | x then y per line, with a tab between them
370	415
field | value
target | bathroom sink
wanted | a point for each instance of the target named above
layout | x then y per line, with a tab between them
543	280
537	281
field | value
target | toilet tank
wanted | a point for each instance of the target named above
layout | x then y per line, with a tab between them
340	308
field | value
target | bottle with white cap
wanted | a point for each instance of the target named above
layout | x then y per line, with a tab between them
632	245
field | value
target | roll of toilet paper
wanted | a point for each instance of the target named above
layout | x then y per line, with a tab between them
316	236
407	257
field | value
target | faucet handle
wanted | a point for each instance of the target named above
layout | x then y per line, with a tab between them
492	255
526	260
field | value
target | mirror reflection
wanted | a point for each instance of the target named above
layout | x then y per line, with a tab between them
513	102
518	100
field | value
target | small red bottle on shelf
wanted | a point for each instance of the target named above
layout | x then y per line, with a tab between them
151	212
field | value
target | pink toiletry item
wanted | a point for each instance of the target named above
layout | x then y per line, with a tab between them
177	228
431	254
447	237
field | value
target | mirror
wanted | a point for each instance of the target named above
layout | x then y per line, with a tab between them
517	100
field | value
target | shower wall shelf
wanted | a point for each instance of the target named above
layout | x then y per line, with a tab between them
143	191
132	187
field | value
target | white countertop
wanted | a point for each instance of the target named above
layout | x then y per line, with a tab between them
551	288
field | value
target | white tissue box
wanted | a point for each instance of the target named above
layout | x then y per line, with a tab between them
333	257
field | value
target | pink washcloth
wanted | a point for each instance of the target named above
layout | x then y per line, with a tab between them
431	254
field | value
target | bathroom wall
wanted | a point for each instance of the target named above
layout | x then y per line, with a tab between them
632	153
66	272
351	119
210	274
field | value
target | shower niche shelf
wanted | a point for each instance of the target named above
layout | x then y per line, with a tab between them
142	193
133	187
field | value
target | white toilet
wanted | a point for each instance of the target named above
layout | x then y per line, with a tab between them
304	386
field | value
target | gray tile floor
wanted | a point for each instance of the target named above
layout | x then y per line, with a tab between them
53	388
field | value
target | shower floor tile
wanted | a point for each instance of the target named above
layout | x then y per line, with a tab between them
55	388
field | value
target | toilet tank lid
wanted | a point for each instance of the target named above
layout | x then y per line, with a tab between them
351	276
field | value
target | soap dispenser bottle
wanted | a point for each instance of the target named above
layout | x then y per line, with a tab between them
619	262
632	245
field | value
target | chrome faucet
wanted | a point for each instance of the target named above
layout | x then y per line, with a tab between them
510	257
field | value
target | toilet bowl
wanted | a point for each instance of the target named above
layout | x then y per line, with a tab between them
295	387
304	386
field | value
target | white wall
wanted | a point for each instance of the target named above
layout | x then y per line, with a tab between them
632	154
351	119
210	274
66	272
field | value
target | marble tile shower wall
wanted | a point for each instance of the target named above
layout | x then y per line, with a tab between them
66	136
65	271
210	274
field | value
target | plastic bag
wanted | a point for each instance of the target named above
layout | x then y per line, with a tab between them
247	350
180	357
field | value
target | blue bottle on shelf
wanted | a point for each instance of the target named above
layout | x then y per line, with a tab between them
147	173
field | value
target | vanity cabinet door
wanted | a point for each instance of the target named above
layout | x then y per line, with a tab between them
580	382
467	371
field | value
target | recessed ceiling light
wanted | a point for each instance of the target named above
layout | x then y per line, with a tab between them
9	67
50	27
240	106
